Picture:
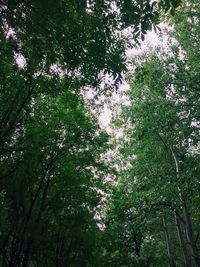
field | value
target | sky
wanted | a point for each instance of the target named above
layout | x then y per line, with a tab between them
152	40
105	114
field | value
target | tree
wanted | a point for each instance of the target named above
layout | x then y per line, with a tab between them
163	142
80	40
51	196
50	145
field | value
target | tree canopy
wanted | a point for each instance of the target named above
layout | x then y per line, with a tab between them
160	192
62	203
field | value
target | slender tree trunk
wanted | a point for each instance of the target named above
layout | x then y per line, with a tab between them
27	253
13	248
169	254
5	242
188	222
181	241
190	235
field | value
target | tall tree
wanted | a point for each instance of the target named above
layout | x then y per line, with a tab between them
163	141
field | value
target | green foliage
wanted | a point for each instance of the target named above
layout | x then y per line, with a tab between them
51	196
163	143
51	185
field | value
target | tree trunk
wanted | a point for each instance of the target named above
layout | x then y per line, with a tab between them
188	222
190	235
169	254
181	241
27	253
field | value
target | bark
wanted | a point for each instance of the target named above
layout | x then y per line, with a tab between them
27	253
181	241
169	254
13	260
190	236
5	242
188	222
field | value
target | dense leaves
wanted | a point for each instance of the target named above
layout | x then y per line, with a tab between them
80	36
51	189
161	189
57	207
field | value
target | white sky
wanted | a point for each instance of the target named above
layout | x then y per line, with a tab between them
152	40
